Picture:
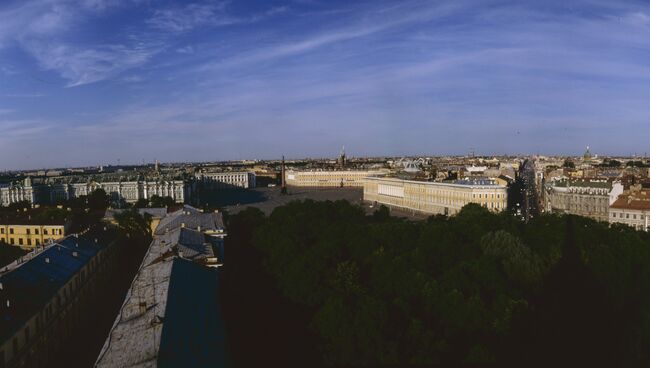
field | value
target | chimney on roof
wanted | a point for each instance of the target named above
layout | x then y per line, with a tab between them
8	303
182	224
198	228
47	260
75	254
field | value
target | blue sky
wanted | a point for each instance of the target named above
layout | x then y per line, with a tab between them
86	82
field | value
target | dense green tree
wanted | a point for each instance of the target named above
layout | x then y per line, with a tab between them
160	202
134	224
141	203
477	287
569	163
98	200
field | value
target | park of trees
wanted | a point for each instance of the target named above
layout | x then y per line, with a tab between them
324	284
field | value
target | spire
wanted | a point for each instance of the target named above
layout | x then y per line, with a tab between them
342	159
283	188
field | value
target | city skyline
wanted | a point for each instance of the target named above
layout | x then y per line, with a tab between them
86	83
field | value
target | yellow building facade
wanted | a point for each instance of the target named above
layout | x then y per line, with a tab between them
31	236
331	178
433	197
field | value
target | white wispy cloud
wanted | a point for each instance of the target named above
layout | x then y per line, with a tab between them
185	18
384	19
88	65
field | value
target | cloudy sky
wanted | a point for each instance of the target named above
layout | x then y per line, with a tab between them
85	82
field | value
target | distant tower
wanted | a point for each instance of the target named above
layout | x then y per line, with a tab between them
157	168
342	158
283	187
587	155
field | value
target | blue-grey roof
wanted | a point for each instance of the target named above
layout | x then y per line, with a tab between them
31	285
192	218
193	333
195	244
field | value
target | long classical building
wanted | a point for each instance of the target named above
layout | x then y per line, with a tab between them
129	191
434	197
222	180
171	314
333	178
583	197
46	293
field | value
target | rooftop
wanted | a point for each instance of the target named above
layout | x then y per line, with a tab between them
27	287
171	315
584	183
638	200
191	217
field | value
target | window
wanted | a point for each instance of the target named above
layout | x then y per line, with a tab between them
36	231
11	230
29	241
27	231
11	241
2	230
44	231
20	241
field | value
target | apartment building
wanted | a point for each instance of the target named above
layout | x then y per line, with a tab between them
44	294
632	208
29	235
582	197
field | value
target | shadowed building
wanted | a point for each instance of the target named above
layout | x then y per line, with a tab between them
45	293
582	197
171	315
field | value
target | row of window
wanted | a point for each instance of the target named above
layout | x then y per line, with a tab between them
28	242
627	215
28	231
59	301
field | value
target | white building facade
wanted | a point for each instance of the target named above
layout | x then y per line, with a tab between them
222	180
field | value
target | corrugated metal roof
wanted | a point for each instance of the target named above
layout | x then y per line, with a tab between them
171	315
192	218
